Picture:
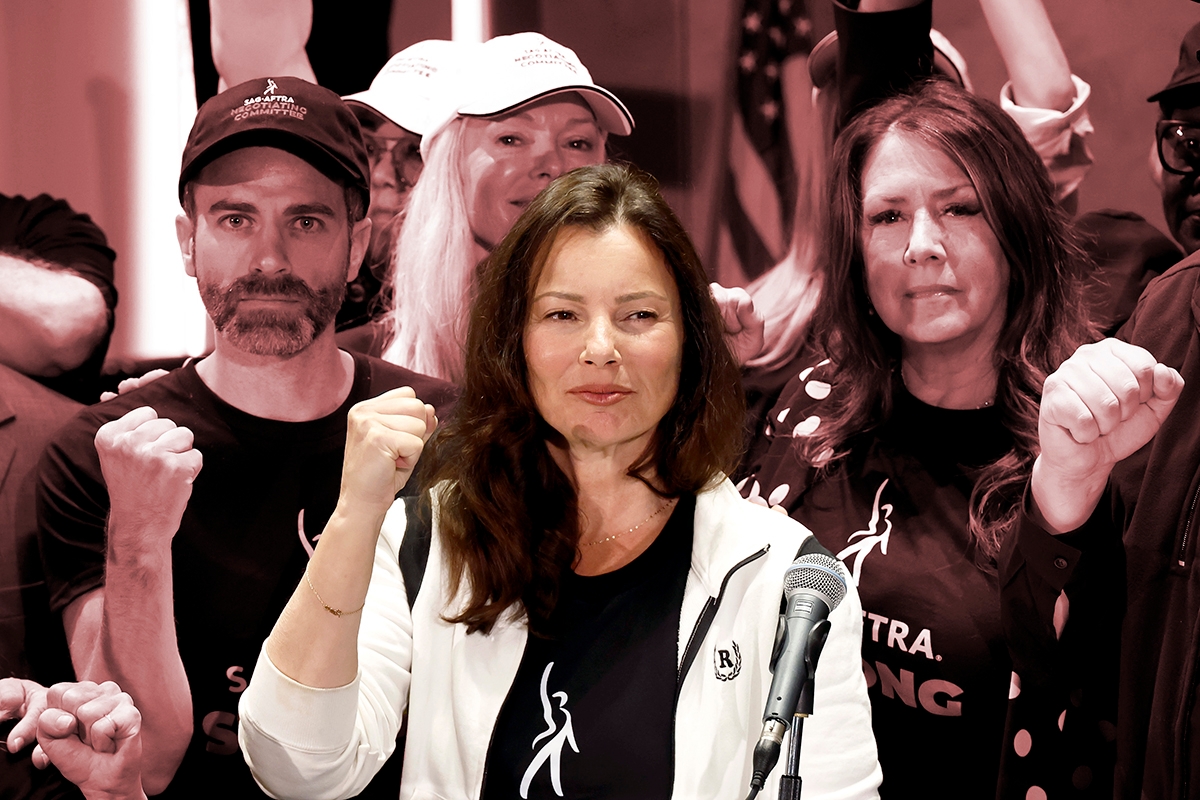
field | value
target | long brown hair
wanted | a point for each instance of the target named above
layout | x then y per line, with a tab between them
508	515
1045	322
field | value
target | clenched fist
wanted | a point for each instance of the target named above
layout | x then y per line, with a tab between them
1102	405
384	439
149	466
92	733
744	327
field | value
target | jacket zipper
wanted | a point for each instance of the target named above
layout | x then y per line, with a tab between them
699	631
1187	529
705	620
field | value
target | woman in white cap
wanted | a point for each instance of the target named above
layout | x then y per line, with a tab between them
526	111
398	109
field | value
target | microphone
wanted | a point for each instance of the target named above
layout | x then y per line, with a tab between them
812	587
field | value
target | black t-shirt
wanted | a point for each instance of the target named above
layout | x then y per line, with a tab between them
265	492
591	711
49	230
896	511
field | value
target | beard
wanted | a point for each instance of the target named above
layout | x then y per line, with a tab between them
275	331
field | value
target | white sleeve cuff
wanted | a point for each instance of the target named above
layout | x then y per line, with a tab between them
296	716
1058	137
1047	129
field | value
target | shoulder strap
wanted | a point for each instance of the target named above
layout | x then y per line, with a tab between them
414	550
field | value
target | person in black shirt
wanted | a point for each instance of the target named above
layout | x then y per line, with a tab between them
596	607
907	431
176	519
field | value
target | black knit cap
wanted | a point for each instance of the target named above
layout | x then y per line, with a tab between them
291	114
1187	71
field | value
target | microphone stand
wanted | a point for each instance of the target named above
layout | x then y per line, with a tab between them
790	782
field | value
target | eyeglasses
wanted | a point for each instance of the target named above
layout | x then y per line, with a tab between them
406	158
1178	146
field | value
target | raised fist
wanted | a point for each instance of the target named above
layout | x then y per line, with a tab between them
149	466
1102	405
743	325
384	439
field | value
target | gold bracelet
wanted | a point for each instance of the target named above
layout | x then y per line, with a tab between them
337	612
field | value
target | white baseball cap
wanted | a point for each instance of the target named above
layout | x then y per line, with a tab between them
415	87
513	70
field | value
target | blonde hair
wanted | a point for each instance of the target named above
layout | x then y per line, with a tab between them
786	295
433	265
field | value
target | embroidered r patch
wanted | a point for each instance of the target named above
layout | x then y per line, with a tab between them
727	661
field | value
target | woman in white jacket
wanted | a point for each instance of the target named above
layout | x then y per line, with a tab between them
597	607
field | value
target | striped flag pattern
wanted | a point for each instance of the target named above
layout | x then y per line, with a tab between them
759	194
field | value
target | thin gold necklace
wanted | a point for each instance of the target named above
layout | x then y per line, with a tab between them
660	509
904	379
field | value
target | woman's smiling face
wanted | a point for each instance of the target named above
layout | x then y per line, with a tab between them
604	340
511	157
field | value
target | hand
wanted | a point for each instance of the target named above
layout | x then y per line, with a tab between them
92	733
129	384
384	439
149	466
1102	405
25	700
743	325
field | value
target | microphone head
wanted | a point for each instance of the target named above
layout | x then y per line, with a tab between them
817	573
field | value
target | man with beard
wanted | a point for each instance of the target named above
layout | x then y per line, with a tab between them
177	519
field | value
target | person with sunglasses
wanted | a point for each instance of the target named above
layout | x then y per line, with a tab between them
1127	251
396	111
1177	138
1115	490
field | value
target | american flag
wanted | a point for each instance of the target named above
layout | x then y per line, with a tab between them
759	195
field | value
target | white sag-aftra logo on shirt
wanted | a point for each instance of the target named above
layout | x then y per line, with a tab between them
558	736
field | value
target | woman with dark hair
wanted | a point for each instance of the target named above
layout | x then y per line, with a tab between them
907	437
597	606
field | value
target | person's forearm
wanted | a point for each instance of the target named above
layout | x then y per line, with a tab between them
241	53
134	644
50	319
310	644
1060	504
1037	66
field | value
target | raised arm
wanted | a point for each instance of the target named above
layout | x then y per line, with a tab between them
51	318
1042	96
240	50
56	285
315	641
125	631
309	664
1102	405
1036	63
883	48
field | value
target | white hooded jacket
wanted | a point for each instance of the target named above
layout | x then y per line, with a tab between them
304	742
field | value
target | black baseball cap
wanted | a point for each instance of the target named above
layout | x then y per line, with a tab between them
304	119
1187	71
